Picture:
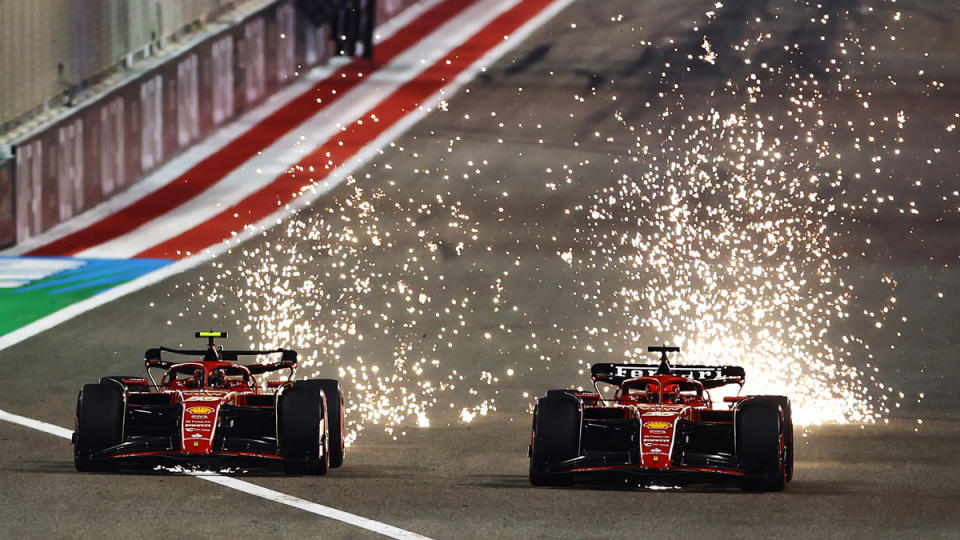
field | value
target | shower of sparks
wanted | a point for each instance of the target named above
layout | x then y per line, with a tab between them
723	228
720	237
720	228
335	291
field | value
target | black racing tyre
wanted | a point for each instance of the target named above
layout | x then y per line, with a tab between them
555	438
99	425
764	442
331	389
303	431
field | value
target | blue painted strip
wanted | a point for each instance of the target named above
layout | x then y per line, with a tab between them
113	279
97	269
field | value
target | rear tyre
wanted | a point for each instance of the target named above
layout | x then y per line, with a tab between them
765	442
99	425
331	389
555	438
303	431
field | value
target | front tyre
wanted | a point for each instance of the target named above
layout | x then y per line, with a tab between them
99	425
555	438
765	442
303	431
331	389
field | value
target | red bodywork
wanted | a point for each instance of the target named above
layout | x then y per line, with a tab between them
657	403
661	423
209	409
206	387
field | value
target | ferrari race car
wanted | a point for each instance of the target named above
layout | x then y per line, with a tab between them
661	426
210	410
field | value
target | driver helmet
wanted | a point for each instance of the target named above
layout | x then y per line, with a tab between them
652	394
671	393
218	378
197	380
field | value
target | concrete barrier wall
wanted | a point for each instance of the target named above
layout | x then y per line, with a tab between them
117	139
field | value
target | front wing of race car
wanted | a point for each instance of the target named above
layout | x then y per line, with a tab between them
612	450
153	433
592	468
643	476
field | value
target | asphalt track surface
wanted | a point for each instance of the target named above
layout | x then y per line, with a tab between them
456	480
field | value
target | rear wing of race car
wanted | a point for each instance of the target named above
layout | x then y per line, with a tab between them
288	358
709	376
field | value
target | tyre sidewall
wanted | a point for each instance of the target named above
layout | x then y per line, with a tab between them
99	423
303	430
334	395
556	438
761	422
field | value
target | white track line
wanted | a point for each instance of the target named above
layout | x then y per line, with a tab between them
246	487
313	508
52	429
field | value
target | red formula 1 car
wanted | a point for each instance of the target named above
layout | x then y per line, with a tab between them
662	427
210	410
